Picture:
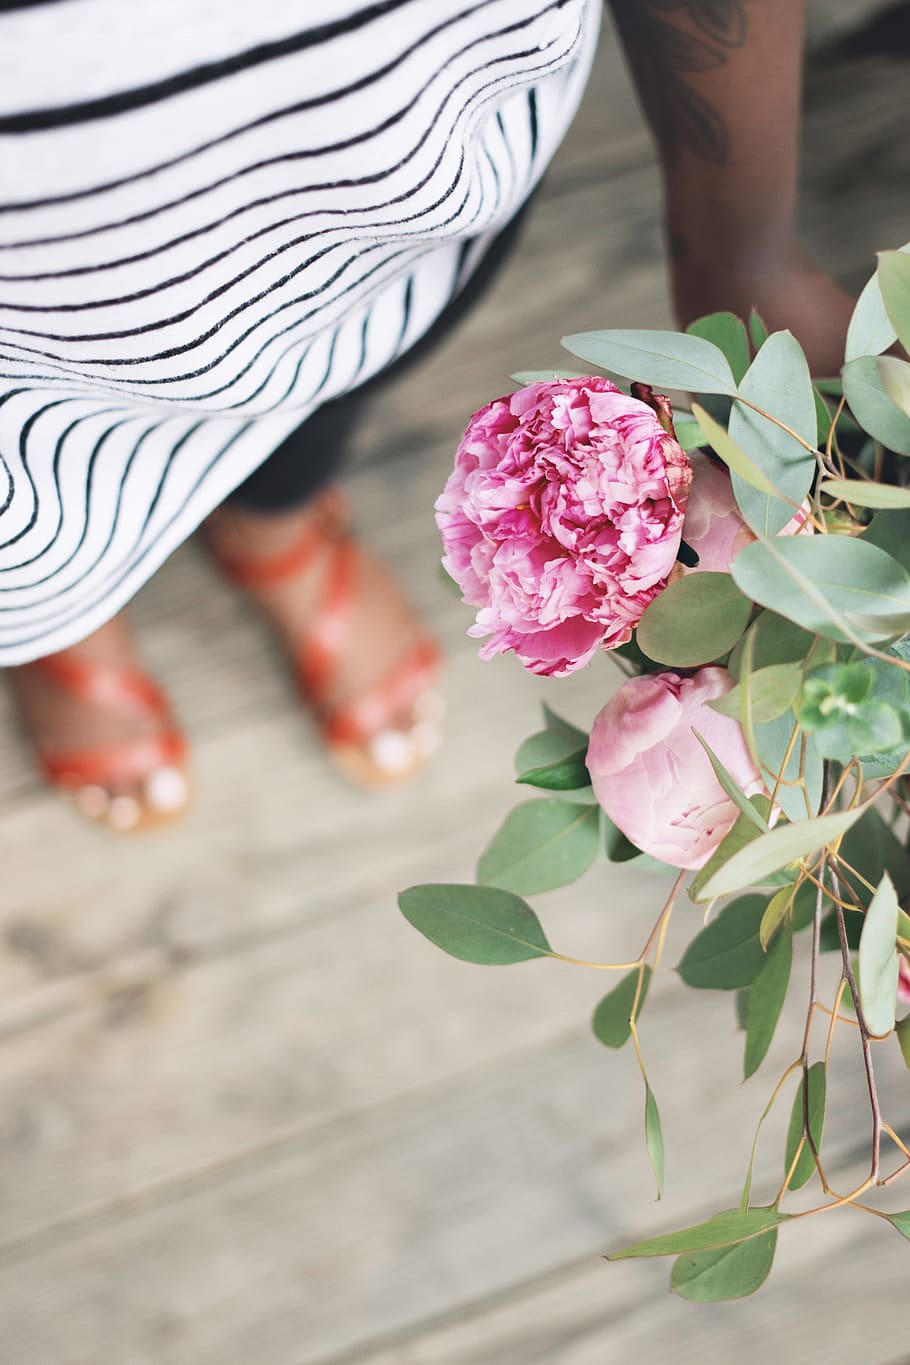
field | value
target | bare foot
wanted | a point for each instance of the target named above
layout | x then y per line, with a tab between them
102	731
378	633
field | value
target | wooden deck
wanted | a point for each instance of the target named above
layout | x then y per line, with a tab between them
247	1115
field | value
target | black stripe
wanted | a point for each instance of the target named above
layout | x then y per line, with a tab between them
115	579
309	153
109	106
58	452
369	225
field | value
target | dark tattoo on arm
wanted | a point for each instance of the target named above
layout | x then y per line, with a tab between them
668	42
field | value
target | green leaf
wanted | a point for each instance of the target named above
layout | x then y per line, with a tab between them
758	332
476	923
888	531
772	740
741	1001
778	381
772	691
823	416
727	954
565	775
695	620
864	493
901	1221
547	747
766	999
541	845
779	847
872	847
776	911
728	783
831	585
776	641
610	1020
895	377
688	434
902	1029
723	1230
805	1166
728	1273
654	1138
894	280
743	832
733	456
873	409
870	331
727	332
668	359
878	961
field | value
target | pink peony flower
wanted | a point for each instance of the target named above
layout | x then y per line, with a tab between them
903	980
561	520
651	775
714	527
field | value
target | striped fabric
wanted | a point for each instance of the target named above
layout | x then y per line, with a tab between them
215	216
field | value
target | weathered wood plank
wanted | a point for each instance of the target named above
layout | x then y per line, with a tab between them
384	1217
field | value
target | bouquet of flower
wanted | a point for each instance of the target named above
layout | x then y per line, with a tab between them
745	561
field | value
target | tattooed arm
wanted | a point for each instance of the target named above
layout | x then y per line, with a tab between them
720	81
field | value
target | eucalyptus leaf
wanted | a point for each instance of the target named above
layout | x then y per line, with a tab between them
814	1083
668	359
872	847
878	960
564	775
758	332
772	691
726	1273
727	954
688	434
900	1221
476	923
733	456
541	845
776	911
825	583
873	409
695	620
895	376
865	493
778	382
654	1138
775	641
729	786
802	773
610	1020
728	334
766	999
888	531
871	331
779	847
723	1230
547	747
744	831
902	1029
894	280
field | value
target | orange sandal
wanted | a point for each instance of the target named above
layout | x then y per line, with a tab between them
156	761
360	734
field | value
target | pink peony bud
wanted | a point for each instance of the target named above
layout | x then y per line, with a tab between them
561	520
903	980
714	527
651	775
